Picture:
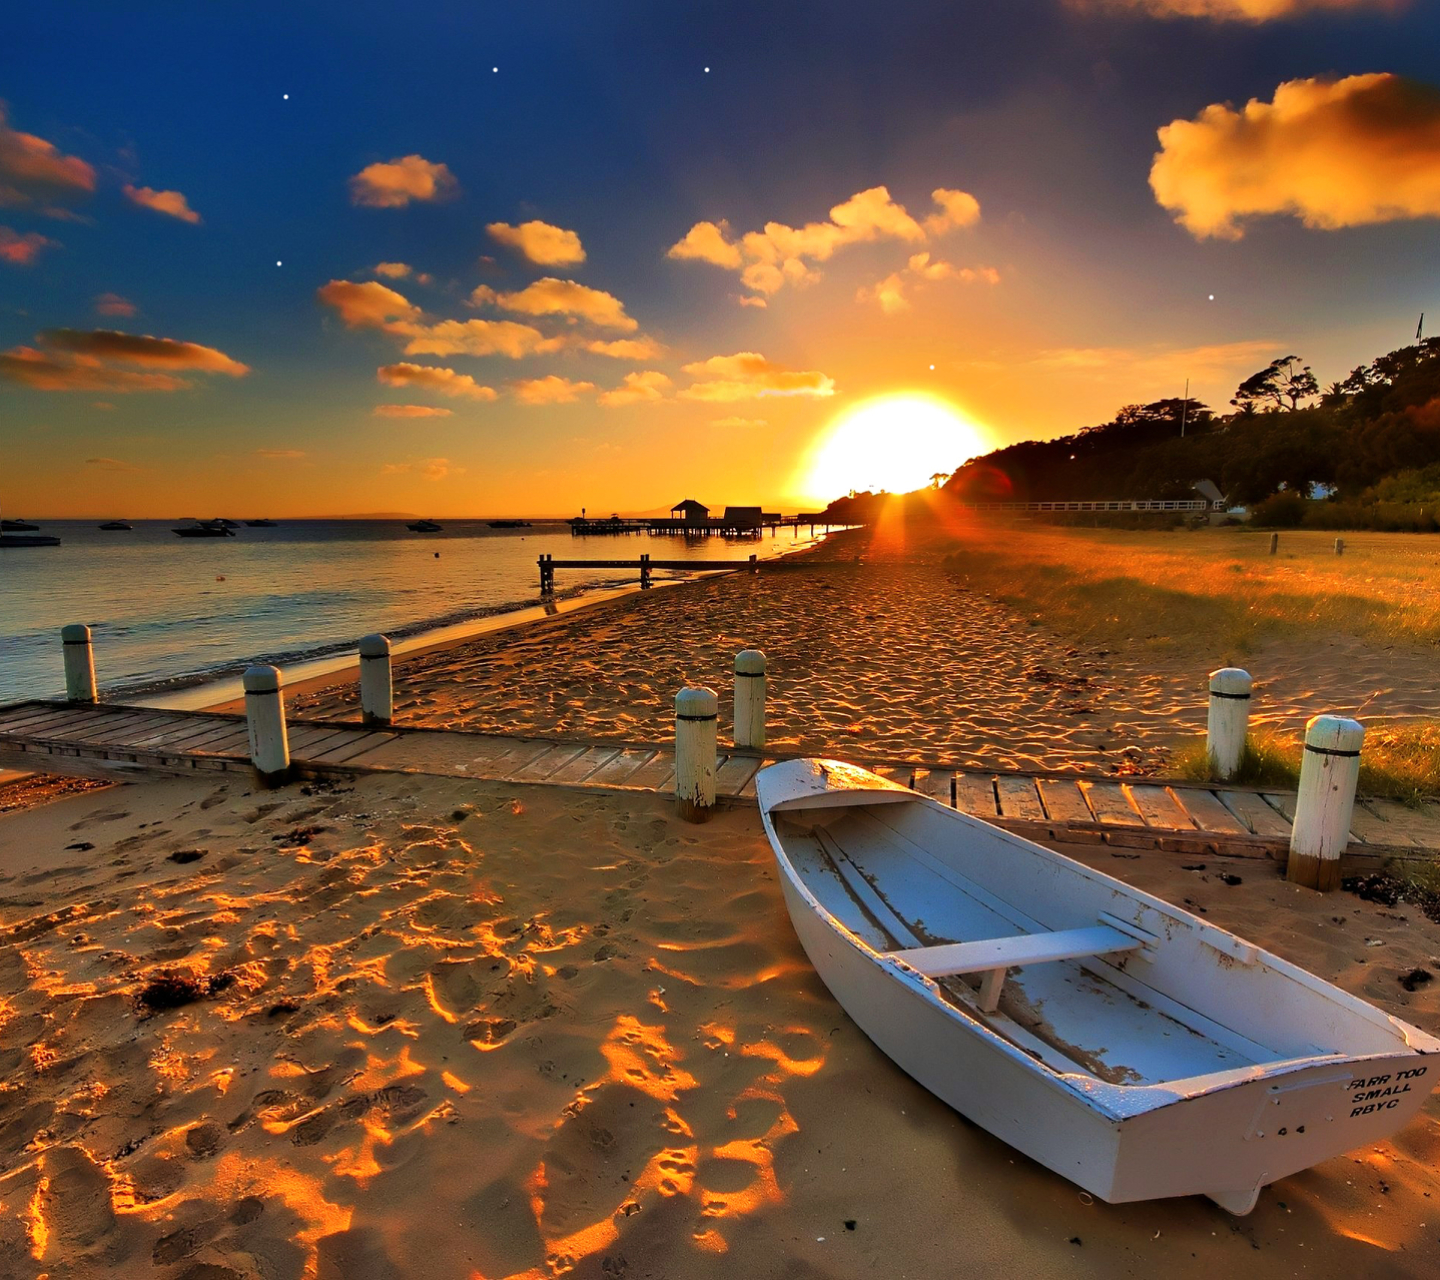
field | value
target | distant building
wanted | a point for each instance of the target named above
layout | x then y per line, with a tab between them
742	518
690	511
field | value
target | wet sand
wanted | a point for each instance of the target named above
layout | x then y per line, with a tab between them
470	1030
892	655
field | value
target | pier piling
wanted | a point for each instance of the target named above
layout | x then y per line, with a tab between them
1229	720
696	711
1329	772
79	663
377	698
265	719
750	699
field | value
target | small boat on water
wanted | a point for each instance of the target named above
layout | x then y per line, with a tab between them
508	524
424	526
261	524
117	525
224	523
17	526
1119	1041
11	541
206	529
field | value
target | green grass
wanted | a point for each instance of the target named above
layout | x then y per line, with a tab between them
1398	762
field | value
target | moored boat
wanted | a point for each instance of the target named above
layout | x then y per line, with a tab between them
205	529
117	525
17	526
10	541
1121	1042
261	524
508	524
424	526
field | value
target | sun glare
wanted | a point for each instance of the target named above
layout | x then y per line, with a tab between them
895	442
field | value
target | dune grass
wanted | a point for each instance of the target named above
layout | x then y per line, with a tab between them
1160	588
1399	761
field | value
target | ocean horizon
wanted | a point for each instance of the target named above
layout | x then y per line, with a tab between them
167	612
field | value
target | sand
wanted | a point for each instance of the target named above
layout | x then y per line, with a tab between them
470	1030
890	656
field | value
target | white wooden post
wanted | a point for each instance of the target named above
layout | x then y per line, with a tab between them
1229	720
79	663
265	718
1339	546
1329	771
1274	543
696	711
377	698
750	699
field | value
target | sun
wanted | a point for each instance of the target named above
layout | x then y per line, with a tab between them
893	442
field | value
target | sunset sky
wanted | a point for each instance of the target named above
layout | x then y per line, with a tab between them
458	259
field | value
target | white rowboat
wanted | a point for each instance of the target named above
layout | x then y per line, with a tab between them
1121	1042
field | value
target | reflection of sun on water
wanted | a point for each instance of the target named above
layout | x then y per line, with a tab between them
895	442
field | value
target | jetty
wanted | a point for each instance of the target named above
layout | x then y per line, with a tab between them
691	519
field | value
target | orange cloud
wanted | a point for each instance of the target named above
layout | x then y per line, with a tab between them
171	203
541	243
280	453
33	171
1334	153
549	296
392	270
739	422
475	338
890	294
411	411
432	378
643	348
367	304
750	376
550	390
430	468
112	304
394	184
22	250
781	254
111	464
1254	11
637	388
50	371
143	350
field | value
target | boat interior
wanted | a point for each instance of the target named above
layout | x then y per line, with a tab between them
1070	965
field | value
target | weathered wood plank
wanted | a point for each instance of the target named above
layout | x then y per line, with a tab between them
348	751
935	783
1373	829
1111	805
110	728
1421	824
1159	808
543	766
1064	801
1252	810
582	766
1208	813
201	741
656	772
234	743
305	741
619	771
166	731
1019	800
975	794
902	774
54	723
734	773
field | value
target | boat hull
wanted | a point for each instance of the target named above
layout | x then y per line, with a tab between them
1226	1144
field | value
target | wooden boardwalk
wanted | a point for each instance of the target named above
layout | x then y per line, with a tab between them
113	741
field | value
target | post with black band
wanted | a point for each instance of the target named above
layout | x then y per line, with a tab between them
79	663
1329	772
1228	723
265	719
750	699
377	697
696	711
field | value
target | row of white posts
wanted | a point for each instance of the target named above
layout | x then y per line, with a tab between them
1329	771
1329	774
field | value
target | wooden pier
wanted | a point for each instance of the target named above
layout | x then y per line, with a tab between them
119	742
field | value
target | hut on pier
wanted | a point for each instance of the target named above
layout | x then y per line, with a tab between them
690	513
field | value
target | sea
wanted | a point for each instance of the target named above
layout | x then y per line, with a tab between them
170	614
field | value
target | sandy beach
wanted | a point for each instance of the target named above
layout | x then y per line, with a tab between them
450	1029
881	649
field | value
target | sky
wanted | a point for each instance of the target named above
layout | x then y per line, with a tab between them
479	259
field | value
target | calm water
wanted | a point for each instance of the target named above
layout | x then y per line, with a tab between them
168	610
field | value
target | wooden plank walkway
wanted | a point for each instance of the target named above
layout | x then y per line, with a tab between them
115	741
